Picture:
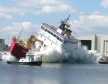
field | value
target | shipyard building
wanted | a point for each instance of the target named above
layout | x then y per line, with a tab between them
3	46
98	43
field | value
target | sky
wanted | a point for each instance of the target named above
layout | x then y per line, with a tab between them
87	16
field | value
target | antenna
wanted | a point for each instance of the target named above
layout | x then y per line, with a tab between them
67	18
64	25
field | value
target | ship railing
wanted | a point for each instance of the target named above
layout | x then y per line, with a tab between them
42	35
52	31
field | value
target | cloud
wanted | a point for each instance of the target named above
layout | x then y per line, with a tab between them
104	3
8	12
8	9
94	20
51	9
43	6
5	13
5	16
54	6
25	27
89	24
35	7
20	29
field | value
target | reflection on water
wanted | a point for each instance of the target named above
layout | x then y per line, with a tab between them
54	74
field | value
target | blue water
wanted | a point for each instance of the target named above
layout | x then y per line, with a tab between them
54	74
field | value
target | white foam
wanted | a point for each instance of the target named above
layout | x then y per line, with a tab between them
71	54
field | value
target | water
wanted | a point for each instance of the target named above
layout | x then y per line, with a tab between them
54	74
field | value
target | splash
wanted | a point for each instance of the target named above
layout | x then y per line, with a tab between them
70	54
77	54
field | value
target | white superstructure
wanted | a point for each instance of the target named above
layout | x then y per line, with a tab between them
56	37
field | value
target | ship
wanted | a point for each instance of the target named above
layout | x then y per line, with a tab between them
103	60
54	39
48	40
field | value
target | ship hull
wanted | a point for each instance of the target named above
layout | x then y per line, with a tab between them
103	62
39	63
18	48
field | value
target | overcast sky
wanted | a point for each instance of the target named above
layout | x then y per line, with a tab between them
87	16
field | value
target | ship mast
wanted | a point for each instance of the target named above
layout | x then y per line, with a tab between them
64	24
65	27
67	19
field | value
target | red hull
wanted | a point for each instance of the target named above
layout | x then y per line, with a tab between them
18	51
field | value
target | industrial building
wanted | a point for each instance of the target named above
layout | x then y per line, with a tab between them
98	43
3	46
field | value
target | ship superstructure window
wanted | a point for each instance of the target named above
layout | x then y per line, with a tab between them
52	32
86	43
